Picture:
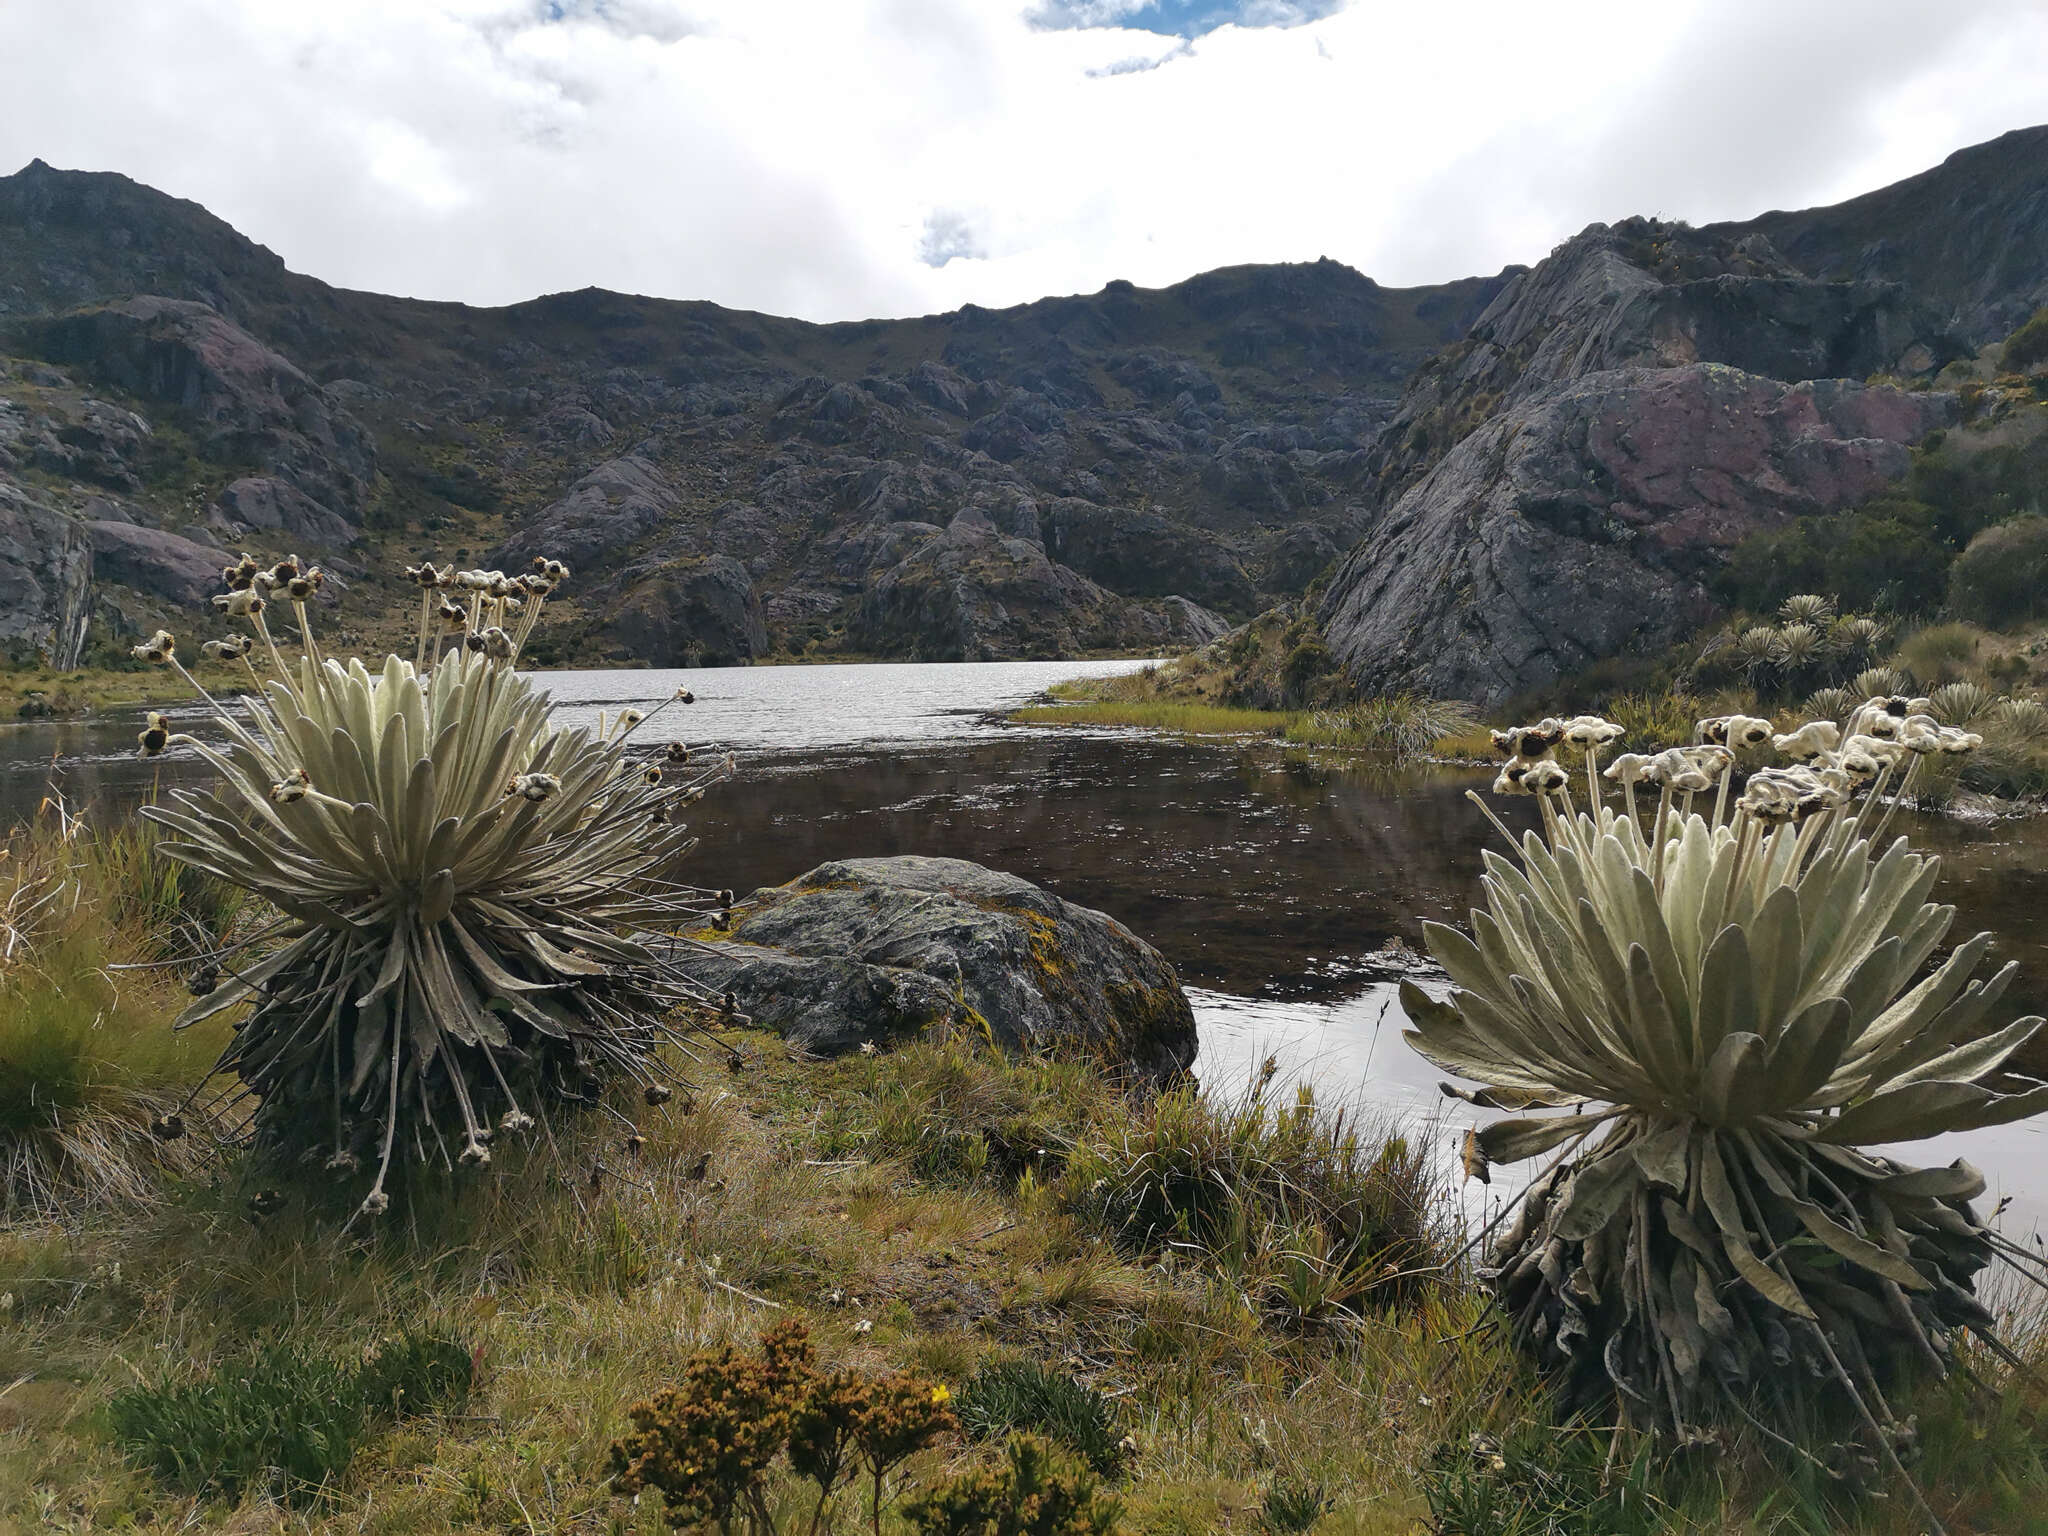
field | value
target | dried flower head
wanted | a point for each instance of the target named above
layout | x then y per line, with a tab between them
157	649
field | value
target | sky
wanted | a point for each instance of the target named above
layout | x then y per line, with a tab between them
839	159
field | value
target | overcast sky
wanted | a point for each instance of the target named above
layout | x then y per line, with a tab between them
844	158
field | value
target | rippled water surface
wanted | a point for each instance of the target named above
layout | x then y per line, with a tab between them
1271	878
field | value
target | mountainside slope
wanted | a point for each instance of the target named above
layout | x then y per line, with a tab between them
1129	465
1503	479
1561	485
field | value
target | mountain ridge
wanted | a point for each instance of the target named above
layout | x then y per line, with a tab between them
1131	469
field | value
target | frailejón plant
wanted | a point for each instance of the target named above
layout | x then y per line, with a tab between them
1725	1005
477	903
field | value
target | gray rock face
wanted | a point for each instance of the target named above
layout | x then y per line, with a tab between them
1969	235
277	506
246	403
153	561
879	949
1142	554
692	613
974	594
1649	295
1584	522
1558	487
603	515
45	578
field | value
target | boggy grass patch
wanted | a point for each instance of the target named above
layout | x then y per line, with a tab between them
1314	1211
955	1110
585	1300
87	1061
286	1418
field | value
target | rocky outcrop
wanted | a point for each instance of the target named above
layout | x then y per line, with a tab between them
45	578
1224	441
1646	294
693	612
1584	522
874	950
269	504
246	404
1559	486
154	562
1141	554
974	593
1969	236
601	518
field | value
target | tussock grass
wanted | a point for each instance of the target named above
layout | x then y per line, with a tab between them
1407	725
581	1276
1161	699
86	1058
1180	717
1311	1212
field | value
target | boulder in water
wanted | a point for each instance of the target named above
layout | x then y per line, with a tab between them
868	950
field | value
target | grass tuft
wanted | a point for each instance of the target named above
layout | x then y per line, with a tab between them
1006	1395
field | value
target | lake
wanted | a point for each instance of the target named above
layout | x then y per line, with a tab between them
1272	878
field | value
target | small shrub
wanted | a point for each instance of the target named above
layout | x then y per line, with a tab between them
708	1444
417	1373
1303	1206
1011	1395
1940	653
285	1418
2002	578
1292	1506
1032	1494
2028	345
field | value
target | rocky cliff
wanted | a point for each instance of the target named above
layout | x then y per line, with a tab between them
1501	478
1560	484
1124	470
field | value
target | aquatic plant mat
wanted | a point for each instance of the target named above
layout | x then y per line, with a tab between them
786	1190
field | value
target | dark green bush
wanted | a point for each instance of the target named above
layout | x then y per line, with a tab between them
284	1415
285	1418
1008	1395
417	1373
2028	345
2002	578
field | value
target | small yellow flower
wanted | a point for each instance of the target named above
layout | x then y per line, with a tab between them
941	1396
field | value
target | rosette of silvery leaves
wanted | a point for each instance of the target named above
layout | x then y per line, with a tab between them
1704	1002
478	905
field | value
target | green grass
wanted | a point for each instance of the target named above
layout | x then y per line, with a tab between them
1006	1395
1402	725
849	1195
1172	715
86	1059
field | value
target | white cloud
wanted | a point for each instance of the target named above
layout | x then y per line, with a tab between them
827	157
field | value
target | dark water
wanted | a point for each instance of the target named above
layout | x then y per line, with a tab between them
1269	877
